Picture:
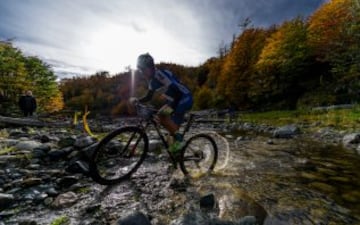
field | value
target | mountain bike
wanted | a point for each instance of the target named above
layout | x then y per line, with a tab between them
120	153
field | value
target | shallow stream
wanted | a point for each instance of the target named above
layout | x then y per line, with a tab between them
287	181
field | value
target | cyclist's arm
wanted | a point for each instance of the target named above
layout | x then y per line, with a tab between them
176	94
147	97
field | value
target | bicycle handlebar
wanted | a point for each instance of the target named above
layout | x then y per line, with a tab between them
145	111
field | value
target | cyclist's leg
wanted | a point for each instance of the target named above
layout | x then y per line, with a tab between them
168	124
185	105
172	123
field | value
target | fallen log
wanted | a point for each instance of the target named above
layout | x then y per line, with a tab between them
32	122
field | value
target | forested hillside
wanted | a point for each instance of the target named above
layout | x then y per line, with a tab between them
19	73
303	62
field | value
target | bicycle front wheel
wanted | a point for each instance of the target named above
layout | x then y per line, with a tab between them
118	155
199	156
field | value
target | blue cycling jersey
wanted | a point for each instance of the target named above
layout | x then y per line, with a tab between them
177	94
169	84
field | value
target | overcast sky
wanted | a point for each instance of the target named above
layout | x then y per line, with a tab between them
85	36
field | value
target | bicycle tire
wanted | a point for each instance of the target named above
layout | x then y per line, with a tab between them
199	156
118	155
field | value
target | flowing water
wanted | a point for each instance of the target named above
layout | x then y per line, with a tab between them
287	181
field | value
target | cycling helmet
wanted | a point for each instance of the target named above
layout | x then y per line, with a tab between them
145	61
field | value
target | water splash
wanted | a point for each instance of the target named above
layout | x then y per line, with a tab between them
227	151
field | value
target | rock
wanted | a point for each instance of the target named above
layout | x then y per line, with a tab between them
236	204
247	220
66	142
38	153
136	218
240	138
28	145
178	184
287	131
89	151
6	200
208	201
323	187
57	154
65	200
154	145
67	181
353	138
51	191
28	222
78	167
45	139
18	134
192	218
9	142
83	142
352	196
32	181
89	221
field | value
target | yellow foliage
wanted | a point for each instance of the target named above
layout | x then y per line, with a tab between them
203	98
327	26
55	103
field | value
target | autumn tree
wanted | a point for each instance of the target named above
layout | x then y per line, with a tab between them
12	72
238	68
334	36
42	81
203	98
283	65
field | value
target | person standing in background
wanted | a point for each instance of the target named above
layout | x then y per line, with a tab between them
27	104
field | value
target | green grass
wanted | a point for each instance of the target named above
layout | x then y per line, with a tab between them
61	220
342	119
5	149
4	133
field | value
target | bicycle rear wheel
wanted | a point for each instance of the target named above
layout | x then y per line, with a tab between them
199	156
118	155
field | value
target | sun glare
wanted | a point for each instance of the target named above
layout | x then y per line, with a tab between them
113	46
132	88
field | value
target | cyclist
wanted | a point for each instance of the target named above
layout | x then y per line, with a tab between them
178	97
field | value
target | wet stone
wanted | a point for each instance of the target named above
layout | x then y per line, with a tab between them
323	187
65	200
312	176
6	200
136	218
327	171
28	222
52	192
208	201
83	142
67	181
248	220
32	181
45	139
353	196
287	131
78	167
341	179
66	142
34	166
28	145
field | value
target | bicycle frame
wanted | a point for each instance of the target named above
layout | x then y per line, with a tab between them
152	122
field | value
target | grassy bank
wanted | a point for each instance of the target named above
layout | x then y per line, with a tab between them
342	119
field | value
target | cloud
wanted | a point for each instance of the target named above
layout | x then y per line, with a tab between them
89	35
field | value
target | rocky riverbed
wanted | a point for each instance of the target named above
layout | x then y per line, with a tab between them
265	175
